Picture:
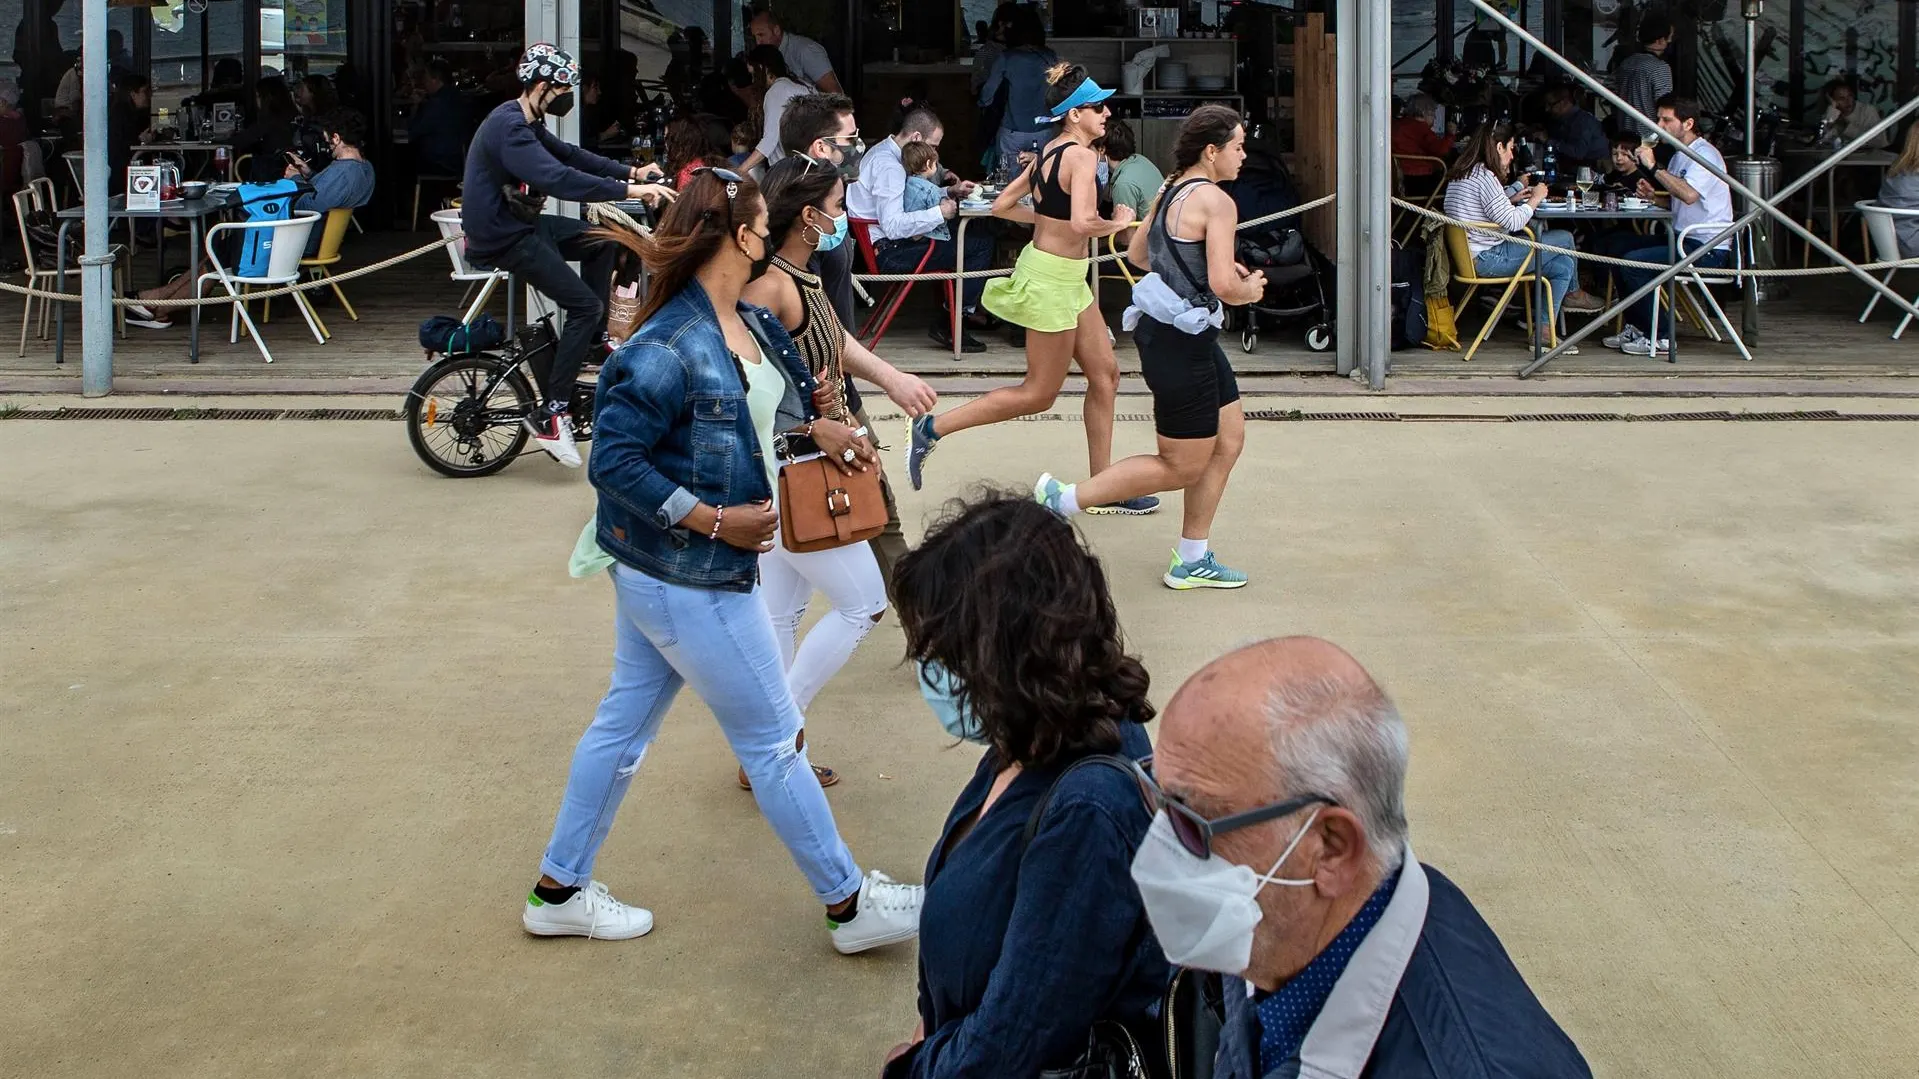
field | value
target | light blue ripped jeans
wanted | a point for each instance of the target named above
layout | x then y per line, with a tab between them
722	644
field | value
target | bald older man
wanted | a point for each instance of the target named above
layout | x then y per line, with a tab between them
1279	855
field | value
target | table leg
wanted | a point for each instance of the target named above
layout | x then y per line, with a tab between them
959	266
1672	256
59	280
193	332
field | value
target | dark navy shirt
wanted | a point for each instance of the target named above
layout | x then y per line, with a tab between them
1286	1014
1020	956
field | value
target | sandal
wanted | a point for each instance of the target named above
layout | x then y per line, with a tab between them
825	775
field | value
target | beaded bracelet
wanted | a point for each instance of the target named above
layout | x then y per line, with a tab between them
718	516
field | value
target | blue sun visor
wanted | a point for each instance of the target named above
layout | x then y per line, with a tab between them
1089	93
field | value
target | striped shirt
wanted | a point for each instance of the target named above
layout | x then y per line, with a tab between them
1642	79
1481	197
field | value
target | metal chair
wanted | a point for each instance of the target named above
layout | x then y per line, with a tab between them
286	242
1465	273
486	280
317	267
39	267
1882	224
1430	200
881	317
1696	281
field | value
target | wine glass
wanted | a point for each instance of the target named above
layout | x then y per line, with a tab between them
1583	180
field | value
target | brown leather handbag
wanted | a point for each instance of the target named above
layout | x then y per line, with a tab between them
822	508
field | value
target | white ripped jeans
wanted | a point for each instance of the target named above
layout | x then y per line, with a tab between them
850	577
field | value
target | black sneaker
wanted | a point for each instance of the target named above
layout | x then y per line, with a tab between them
942	336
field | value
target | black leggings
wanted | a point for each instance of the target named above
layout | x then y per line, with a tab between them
539	259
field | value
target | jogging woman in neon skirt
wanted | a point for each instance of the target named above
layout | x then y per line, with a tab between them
1048	292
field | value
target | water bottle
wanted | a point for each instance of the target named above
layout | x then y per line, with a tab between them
1551	165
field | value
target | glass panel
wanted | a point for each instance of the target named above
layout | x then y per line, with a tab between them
181	36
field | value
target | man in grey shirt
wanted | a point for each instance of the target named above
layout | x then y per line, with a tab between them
806	59
1645	76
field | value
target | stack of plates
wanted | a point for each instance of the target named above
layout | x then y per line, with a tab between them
1170	75
1209	82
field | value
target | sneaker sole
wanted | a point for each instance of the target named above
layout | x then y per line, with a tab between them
1187	584
574	931
1118	511
881	942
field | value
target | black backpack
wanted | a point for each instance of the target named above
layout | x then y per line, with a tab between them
1409	296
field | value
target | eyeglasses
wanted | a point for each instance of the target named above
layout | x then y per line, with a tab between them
1196	833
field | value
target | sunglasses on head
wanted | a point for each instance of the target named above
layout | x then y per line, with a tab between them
732	179
1195	832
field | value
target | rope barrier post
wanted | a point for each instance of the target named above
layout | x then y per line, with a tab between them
1762	205
96	265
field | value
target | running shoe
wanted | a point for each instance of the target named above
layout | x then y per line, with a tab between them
554	432
1205	573
591	913
889	913
1132	507
1047	492
1646	346
1624	337
146	317
923	444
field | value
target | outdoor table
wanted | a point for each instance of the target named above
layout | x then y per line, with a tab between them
195	211
183	149
1864	159
1597	212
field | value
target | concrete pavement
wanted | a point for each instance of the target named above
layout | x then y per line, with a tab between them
285	721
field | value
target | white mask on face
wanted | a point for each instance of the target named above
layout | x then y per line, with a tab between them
1204	910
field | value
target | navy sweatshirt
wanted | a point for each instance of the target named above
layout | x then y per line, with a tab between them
1019	956
507	150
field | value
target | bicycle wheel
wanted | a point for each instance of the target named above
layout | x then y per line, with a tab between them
459	432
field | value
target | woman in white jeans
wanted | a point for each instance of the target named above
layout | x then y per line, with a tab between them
1478	190
806	214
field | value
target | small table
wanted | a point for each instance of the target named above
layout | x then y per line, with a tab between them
194	211
1597	212
1862	159
184	148
966	213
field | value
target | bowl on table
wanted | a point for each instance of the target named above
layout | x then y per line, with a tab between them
195	189
1634	202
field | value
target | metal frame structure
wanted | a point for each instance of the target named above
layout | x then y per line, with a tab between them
1364	49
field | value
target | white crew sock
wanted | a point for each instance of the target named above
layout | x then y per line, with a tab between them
1190	550
1069	499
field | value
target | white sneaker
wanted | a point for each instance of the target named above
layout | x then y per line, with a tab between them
591	913
889	914
1646	346
555	436
1624	337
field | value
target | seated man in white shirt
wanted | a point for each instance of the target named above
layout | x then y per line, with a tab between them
900	238
1698	198
806	59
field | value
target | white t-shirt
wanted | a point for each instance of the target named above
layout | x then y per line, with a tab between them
806	59
777	95
1715	198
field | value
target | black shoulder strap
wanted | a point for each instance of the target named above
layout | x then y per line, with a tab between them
1108	760
1057	155
1166	232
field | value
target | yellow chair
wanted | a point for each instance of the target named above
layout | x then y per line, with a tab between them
239	167
1464	273
1125	270
332	234
1425	202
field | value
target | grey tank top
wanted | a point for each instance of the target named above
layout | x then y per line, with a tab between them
1178	262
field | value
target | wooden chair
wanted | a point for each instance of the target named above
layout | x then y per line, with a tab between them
1465	273
332	234
41	274
1431	199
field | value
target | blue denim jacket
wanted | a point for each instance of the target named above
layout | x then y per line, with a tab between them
671	430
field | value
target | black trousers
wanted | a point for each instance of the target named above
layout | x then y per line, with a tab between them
540	259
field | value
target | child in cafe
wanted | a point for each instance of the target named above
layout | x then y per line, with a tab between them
923	191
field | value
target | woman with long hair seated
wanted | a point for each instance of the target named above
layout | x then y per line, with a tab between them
1034	929
683	452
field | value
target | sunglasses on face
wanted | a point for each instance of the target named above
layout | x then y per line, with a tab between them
1195	832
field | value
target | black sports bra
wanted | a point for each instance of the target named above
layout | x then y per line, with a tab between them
1049	198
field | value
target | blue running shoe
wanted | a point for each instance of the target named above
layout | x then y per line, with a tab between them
1132	507
1205	573
922	446
1047	493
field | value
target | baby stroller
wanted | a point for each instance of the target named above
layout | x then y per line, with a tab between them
1296	274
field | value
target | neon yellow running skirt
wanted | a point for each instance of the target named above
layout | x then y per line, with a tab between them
1045	292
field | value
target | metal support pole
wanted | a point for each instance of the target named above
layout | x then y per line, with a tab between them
1752	79
1763	205
1749	285
1349	297
96	265
1376	201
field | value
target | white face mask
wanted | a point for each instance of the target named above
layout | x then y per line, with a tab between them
1204	910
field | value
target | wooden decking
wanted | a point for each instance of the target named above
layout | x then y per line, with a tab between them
1812	332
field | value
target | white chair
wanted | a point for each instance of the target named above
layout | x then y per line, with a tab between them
1882	224
286	244
1696	281
487	280
39	266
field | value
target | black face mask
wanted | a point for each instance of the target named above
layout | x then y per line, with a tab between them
760	265
560	106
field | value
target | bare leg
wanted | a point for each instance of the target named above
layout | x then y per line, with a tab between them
1094	351
1202	498
1048	355
1179	464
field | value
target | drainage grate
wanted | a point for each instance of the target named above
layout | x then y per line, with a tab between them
112	414
386	414
1677	417
1565	417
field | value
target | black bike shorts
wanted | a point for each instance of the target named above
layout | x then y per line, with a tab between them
1189	376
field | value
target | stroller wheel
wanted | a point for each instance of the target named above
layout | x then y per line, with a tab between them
1248	341
1319	338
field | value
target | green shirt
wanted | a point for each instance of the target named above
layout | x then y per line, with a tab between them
1135	181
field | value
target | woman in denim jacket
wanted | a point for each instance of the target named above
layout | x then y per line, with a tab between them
689	415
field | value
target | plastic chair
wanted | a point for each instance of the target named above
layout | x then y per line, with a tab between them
24	206
1465	273
1882	224
881	316
1695	284
331	236
288	240
422	179
487	280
